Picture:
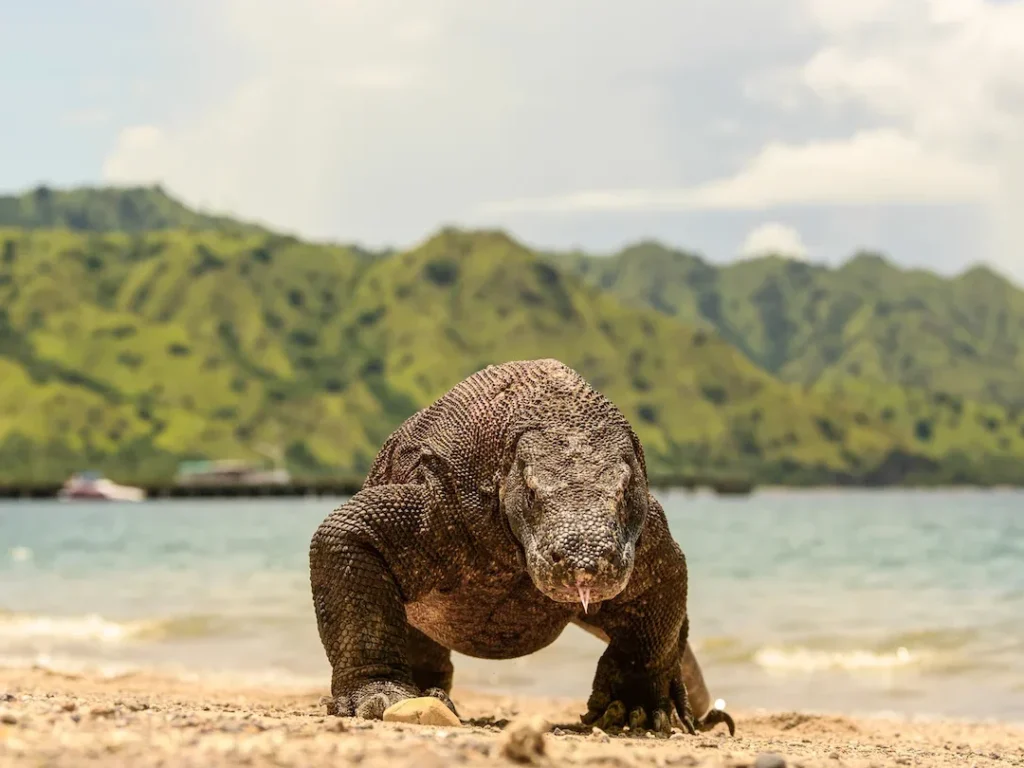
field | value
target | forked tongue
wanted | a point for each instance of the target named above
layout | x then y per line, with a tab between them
584	596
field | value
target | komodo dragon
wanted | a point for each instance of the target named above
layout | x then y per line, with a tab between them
513	505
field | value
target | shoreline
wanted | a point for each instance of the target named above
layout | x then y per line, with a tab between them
59	718
725	487
49	493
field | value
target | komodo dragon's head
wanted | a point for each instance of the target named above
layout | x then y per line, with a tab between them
576	503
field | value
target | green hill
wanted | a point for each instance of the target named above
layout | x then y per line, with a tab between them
130	352
110	209
868	320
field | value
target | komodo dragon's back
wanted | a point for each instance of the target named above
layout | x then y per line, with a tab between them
472	428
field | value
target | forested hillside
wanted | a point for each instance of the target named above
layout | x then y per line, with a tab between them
109	209
867	320
131	350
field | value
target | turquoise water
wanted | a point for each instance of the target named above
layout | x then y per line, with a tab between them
835	601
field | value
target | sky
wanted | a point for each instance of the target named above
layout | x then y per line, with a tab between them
814	128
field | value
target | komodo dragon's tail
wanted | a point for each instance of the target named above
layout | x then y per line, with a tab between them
699	697
706	715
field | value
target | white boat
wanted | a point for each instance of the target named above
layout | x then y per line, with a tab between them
93	486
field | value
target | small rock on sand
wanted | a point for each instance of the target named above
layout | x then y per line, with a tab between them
523	740
769	760
425	710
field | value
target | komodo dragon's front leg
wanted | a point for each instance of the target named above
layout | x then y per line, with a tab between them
696	688
647	631
357	558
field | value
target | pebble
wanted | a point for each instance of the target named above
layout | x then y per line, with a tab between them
476	745
424	710
8	718
769	760
523	740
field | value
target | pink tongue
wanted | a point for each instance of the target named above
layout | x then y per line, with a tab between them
584	597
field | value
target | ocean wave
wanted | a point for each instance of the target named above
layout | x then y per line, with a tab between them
810	660
93	628
944	651
944	639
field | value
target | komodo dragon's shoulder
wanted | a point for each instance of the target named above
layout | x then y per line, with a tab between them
474	418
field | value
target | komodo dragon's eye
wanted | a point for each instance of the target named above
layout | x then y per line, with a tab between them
531	496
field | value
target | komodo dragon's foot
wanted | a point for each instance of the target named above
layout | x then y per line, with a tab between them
713	718
369	700
644	702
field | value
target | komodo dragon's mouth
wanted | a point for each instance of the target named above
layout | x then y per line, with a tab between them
586	593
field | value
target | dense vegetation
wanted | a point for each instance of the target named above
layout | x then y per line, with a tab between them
109	209
868	320
182	337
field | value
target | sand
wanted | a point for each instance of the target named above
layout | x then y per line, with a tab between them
54	719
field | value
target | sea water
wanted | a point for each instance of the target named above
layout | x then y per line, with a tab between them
859	602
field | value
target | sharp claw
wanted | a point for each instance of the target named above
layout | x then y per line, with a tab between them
373	707
339	707
690	727
716	716
614	716
661	723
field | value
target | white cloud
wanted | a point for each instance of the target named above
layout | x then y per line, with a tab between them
946	73
366	121
88	116
881	166
850	16
363	120
415	30
142	156
871	167
935	86
774	238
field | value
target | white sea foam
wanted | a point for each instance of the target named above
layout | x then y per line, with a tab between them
81	628
93	628
808	660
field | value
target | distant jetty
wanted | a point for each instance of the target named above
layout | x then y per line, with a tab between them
298	487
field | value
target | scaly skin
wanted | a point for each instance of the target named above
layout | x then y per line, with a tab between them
514	505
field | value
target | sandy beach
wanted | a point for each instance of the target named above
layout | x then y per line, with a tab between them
57	719
182	634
